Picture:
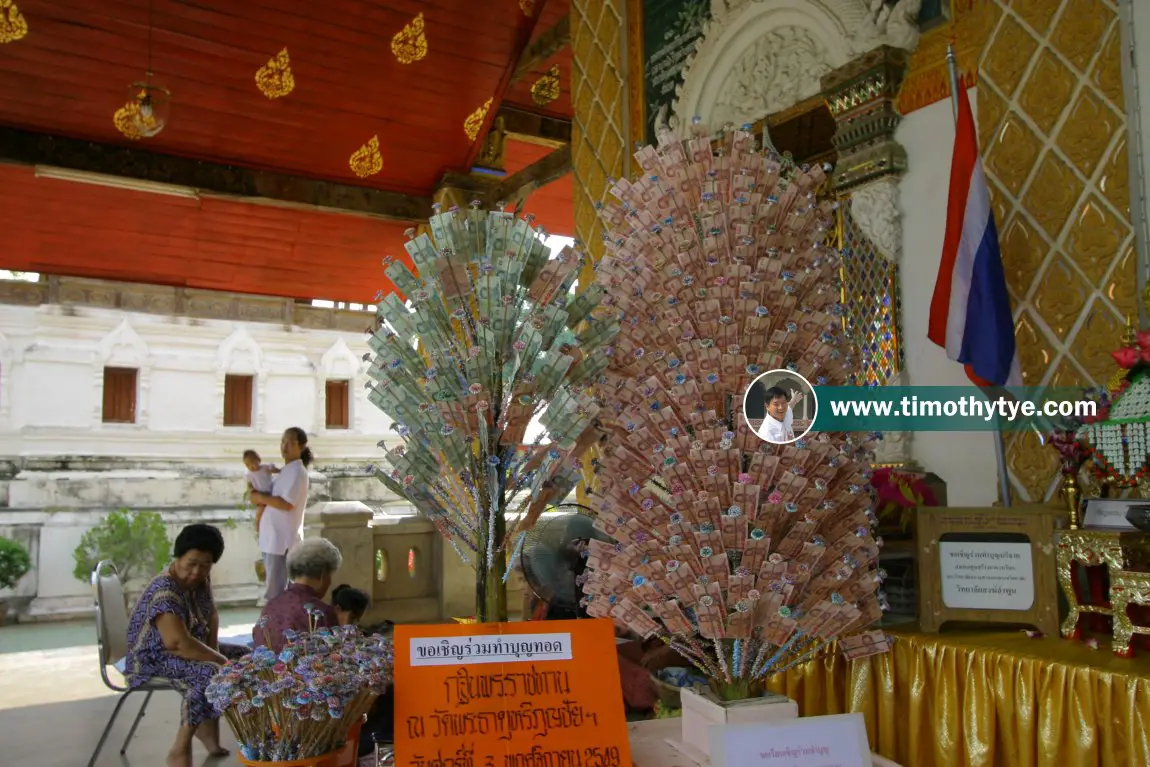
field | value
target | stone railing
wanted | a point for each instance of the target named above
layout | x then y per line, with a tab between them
180	302
404	565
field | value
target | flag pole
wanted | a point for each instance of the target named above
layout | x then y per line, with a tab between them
999	442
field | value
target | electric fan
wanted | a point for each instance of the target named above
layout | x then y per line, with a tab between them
554	556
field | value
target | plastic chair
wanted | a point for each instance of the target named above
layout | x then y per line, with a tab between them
112	644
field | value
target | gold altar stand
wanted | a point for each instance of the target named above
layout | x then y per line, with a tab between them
988	699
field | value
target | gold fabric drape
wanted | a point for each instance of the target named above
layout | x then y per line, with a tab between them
987	699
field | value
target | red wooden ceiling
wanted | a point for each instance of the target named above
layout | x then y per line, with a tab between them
71	73
520	92
553	205
61	227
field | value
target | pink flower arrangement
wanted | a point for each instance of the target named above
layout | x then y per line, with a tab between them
899	493
1137	354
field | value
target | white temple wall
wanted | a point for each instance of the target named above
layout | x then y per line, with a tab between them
62	468
53	383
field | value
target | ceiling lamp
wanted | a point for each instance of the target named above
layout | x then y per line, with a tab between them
146	112
12	24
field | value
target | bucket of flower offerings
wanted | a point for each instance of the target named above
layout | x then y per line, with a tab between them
304	706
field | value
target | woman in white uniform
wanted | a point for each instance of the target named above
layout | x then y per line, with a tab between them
281	526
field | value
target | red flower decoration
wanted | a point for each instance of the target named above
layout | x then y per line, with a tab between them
1143	339
1126	358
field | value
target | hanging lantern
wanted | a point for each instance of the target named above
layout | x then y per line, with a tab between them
146	112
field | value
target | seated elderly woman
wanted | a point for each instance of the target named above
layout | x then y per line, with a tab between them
173	633
310	567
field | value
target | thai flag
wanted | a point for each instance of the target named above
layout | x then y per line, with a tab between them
970	313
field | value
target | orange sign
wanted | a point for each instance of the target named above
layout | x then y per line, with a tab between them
509	695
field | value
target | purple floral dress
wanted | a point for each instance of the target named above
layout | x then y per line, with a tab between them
147	657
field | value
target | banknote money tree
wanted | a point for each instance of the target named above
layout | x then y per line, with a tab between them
491	340
746	557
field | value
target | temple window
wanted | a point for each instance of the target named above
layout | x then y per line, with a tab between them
119	395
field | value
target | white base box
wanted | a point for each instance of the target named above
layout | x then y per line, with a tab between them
702	710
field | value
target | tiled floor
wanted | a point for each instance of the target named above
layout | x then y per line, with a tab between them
53	705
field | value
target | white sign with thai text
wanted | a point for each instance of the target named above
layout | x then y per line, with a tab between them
511	648
812	741
1109	514
980	575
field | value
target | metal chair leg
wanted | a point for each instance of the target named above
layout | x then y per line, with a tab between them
108	727
136	722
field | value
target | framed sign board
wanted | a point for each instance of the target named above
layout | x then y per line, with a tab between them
988	565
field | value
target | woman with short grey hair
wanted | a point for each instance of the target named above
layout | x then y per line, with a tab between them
311	565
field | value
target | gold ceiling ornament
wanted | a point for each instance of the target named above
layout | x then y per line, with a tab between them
12	24
546	88
527	6
474	122
275	79
367	160
410	44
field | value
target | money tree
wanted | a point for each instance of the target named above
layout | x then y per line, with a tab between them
491	340
746	557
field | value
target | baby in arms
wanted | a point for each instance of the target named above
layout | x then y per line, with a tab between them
259	478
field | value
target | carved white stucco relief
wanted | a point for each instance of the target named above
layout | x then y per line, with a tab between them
123	347
759	57
874	207
239	354
339	362
895	446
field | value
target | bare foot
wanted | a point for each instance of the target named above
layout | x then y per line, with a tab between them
179	758
208	733
213	746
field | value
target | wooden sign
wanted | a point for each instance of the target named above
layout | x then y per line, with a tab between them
509	695
812	741
988	565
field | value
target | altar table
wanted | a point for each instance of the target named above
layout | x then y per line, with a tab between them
987	699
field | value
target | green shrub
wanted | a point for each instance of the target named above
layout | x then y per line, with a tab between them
14	563
137	543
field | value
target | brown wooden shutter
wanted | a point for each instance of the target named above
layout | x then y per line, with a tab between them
338	410
238	400
119	395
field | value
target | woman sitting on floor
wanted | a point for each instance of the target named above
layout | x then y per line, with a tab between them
310	567
174	634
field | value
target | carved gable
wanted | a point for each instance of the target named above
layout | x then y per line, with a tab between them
239	354
123	347
760	57
339	362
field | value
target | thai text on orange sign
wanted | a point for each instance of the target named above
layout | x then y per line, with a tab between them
509	695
